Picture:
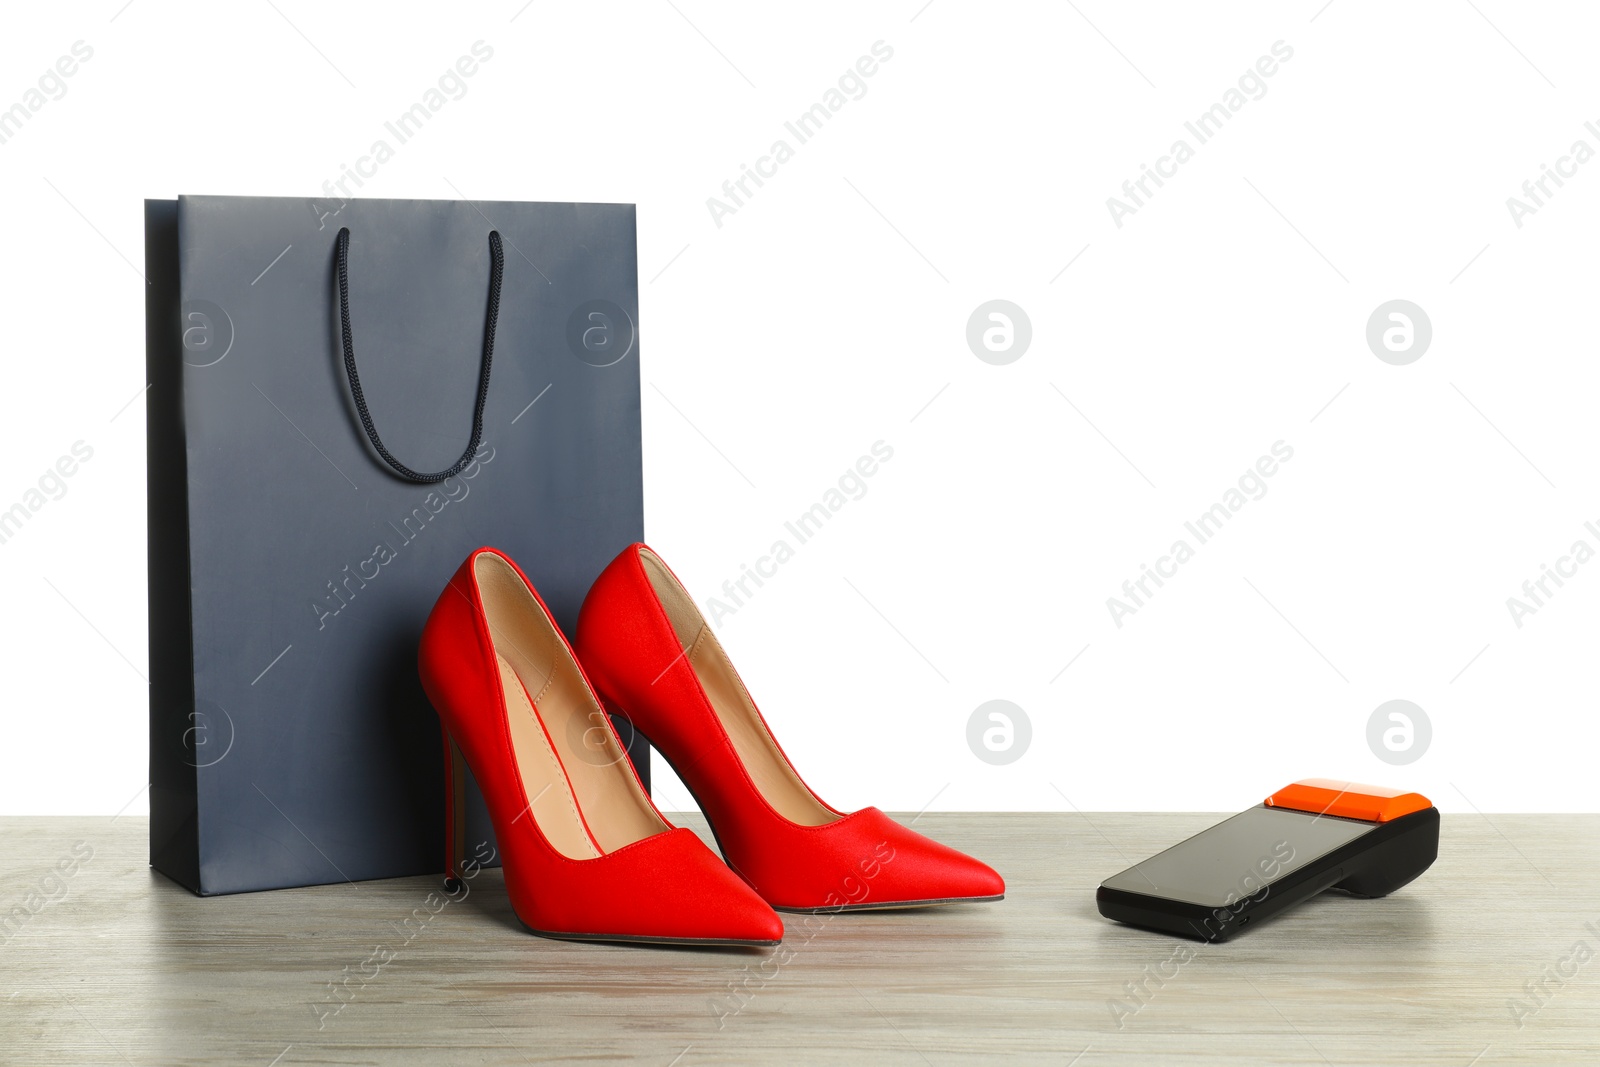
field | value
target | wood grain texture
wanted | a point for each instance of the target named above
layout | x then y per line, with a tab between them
123	967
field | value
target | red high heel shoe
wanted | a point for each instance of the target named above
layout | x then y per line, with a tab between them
655	661
586	854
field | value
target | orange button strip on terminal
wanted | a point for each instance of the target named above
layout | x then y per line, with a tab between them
1348	800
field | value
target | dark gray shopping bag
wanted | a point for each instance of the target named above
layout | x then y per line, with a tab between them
292	564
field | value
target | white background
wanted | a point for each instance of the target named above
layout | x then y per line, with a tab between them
830	311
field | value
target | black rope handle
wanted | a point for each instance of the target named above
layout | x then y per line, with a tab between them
491	318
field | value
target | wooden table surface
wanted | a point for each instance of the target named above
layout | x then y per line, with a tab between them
123	967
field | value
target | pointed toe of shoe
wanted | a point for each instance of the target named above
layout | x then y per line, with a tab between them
670	889
866	861
755	922
710	904
973	879
920	871
941	875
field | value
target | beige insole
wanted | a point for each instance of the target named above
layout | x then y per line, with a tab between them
551	800
763	760
581	790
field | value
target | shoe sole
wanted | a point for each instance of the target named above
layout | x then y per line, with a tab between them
649	939
889	905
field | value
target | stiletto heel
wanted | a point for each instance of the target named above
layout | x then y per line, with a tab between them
647	648
586	855
455	812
